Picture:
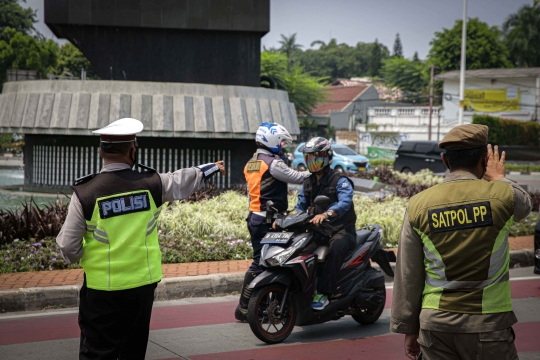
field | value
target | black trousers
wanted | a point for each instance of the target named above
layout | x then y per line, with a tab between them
257	227
115	324
340	244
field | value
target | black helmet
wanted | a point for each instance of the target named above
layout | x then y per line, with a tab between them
317	154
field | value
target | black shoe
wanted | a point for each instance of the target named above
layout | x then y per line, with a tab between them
240	314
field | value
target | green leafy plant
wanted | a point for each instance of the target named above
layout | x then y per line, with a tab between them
31	221
510	132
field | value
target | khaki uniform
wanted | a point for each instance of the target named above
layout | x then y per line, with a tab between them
449	334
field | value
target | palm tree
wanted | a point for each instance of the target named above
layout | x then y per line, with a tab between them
289	45
522	31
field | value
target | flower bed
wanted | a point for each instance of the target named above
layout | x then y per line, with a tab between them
193	231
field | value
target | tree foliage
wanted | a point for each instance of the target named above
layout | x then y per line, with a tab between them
522	36
25	52
398	48
485	48
289	46
72	60
332	59
375	61
407	75
13	15
305	91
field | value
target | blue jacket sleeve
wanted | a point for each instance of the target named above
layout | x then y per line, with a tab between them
344	192
302	202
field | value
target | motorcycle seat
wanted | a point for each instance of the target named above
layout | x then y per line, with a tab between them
361	237
321	252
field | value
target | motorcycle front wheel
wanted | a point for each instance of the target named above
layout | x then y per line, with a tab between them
267	320
367	317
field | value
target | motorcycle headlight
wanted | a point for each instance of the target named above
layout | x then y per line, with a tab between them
284	255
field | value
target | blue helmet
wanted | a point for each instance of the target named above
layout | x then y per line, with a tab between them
271	135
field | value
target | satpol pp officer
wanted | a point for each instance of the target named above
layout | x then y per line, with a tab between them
111	227
451	285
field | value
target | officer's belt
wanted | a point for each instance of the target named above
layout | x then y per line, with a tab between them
260	213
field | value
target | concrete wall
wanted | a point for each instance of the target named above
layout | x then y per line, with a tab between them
527	89
77	107
190	41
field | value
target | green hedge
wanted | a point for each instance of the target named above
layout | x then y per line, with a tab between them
510	132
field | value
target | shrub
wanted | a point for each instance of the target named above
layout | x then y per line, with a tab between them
381	163
510	132
525	226
31	221
522	167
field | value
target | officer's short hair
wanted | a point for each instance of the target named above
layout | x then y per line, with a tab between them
464	158
116	148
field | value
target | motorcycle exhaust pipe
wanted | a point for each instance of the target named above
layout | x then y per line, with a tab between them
369	300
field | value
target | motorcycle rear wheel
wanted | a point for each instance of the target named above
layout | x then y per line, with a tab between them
263	317
368	317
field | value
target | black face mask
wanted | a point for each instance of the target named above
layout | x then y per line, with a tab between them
134	157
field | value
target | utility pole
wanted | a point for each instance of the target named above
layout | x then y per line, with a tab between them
430	100
439	124
537	112
463	59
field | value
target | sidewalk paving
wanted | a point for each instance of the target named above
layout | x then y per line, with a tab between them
74	277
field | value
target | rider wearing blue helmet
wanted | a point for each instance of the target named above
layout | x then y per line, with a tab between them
267	177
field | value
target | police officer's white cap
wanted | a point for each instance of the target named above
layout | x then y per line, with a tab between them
122	130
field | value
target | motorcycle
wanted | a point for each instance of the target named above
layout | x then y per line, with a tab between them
282	294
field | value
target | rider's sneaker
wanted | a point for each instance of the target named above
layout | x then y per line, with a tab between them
319	301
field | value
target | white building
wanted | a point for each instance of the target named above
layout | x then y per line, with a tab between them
508	93
389	125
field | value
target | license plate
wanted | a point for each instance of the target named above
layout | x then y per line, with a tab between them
277	237
362	169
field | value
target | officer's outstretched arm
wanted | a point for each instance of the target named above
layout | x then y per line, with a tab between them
184	182
280	171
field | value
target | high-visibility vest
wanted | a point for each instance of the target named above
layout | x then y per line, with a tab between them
262	186
464	229
120	247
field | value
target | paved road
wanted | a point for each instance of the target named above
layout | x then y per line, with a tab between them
205	328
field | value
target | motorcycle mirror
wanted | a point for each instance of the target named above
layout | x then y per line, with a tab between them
322	200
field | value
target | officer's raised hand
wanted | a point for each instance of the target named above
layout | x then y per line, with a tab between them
222	169
495	165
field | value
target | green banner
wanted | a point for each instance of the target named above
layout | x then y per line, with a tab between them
381	153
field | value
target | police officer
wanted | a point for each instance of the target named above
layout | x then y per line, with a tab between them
451	286
111	227
339	218
267	177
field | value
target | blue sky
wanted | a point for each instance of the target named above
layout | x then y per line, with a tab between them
351	21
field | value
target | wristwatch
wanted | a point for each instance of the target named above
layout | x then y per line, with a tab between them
329	214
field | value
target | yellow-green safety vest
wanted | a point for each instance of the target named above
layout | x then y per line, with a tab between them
120	247
464	229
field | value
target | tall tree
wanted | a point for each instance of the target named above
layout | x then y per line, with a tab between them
375	61
522	31
20	51
304	90
415	56
289	46
72	60
13	15
406	75
485	48
398	48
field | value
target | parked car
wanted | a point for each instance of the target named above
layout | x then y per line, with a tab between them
413	156
345	159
